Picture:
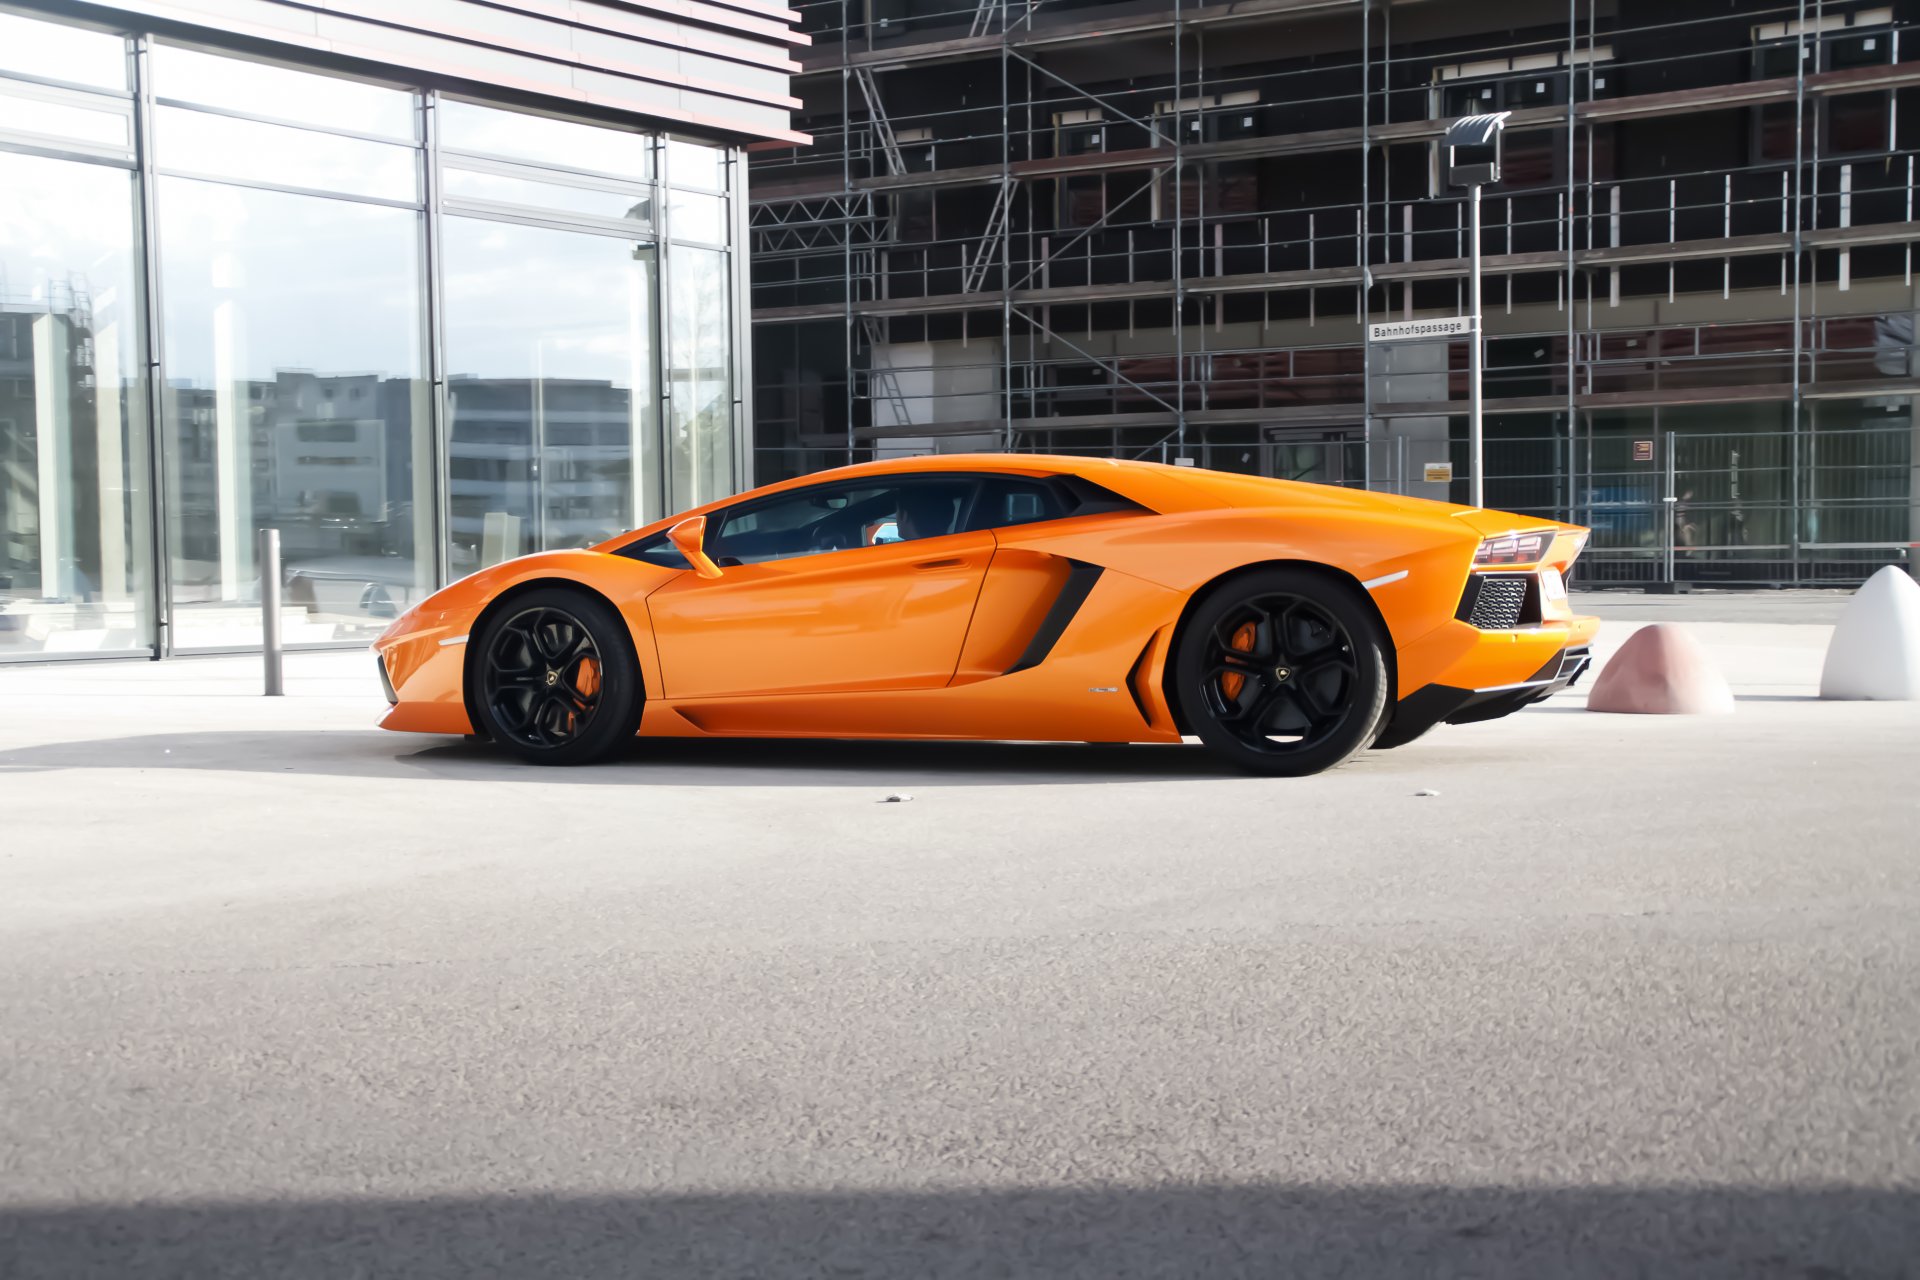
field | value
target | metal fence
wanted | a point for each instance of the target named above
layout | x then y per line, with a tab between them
1819	507
1762	508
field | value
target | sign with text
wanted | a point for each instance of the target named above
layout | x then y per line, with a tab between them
1438	473
1643	451
1408	330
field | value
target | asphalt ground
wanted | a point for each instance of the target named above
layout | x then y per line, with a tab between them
1565	994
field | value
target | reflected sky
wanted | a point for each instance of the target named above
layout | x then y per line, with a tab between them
324	285
62	222
223	146
528	302
62	53
469	184
262	89
20	110
542	140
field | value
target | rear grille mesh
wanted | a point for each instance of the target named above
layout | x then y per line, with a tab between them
1499	601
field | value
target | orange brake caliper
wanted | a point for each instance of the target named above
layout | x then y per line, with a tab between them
1232	682
586	681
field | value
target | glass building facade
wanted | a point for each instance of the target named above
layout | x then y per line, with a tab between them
416	331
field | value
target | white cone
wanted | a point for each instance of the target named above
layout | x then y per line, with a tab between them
1661	671
1875	651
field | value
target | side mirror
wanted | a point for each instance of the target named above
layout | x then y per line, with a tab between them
689	537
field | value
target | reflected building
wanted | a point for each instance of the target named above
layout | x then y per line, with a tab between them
403	307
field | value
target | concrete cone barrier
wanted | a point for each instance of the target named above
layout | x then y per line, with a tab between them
1661	671
1875	651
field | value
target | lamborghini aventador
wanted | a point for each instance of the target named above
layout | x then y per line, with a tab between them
1287	626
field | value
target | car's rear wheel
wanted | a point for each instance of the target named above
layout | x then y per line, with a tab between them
1282	671
554	680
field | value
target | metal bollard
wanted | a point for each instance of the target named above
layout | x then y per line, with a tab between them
270	607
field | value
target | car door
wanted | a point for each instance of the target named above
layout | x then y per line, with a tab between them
857	586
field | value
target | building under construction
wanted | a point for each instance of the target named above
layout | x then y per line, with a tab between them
1159	229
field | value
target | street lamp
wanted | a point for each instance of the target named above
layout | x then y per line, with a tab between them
1473	160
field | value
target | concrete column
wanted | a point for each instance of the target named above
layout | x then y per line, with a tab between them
53	440
110	452
643	453
233	432
426	487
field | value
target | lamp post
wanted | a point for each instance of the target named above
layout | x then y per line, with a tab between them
1473	160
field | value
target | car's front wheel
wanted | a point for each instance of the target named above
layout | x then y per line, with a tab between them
1283	671
553	679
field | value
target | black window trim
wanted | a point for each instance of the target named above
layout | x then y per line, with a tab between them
1076	494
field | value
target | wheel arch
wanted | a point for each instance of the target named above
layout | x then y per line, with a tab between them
1331	573
526	587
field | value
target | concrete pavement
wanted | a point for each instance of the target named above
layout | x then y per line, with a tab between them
286	996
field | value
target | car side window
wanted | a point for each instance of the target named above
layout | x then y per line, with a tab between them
1011	500
655	550
840	518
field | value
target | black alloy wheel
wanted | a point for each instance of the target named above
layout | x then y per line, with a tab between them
1283	671
553	678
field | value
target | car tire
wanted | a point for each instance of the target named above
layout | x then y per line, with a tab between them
552	678
1283	671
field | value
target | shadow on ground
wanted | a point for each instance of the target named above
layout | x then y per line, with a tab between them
1277	1231
676	762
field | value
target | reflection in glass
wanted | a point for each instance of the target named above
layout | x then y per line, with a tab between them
295	399
696	217
221	146
550	354
468	184
690	164
30	111
62	53
72	501
700	378
262	89
543	140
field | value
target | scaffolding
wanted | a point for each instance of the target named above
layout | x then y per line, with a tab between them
1160	230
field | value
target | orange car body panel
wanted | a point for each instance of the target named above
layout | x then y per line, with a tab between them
863	619
921	639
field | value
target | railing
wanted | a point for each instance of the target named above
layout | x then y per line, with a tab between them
1738	508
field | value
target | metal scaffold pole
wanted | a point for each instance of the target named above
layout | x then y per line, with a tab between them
1179	241
1476	347
1006	240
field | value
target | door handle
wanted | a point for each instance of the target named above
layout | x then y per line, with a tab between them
950	562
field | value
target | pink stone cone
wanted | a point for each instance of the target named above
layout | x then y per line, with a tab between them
1661	671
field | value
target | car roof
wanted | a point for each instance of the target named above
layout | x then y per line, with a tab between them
1154	485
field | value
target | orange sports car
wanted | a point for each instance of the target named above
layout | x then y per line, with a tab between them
1007	596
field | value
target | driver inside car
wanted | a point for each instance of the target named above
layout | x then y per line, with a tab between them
925	512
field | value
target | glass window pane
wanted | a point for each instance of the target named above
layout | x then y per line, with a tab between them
29	112
550	354
62	53
295	399
221	146
690	164
696	217
469	184
558	144
1005	501
73	564
260	88
700	378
